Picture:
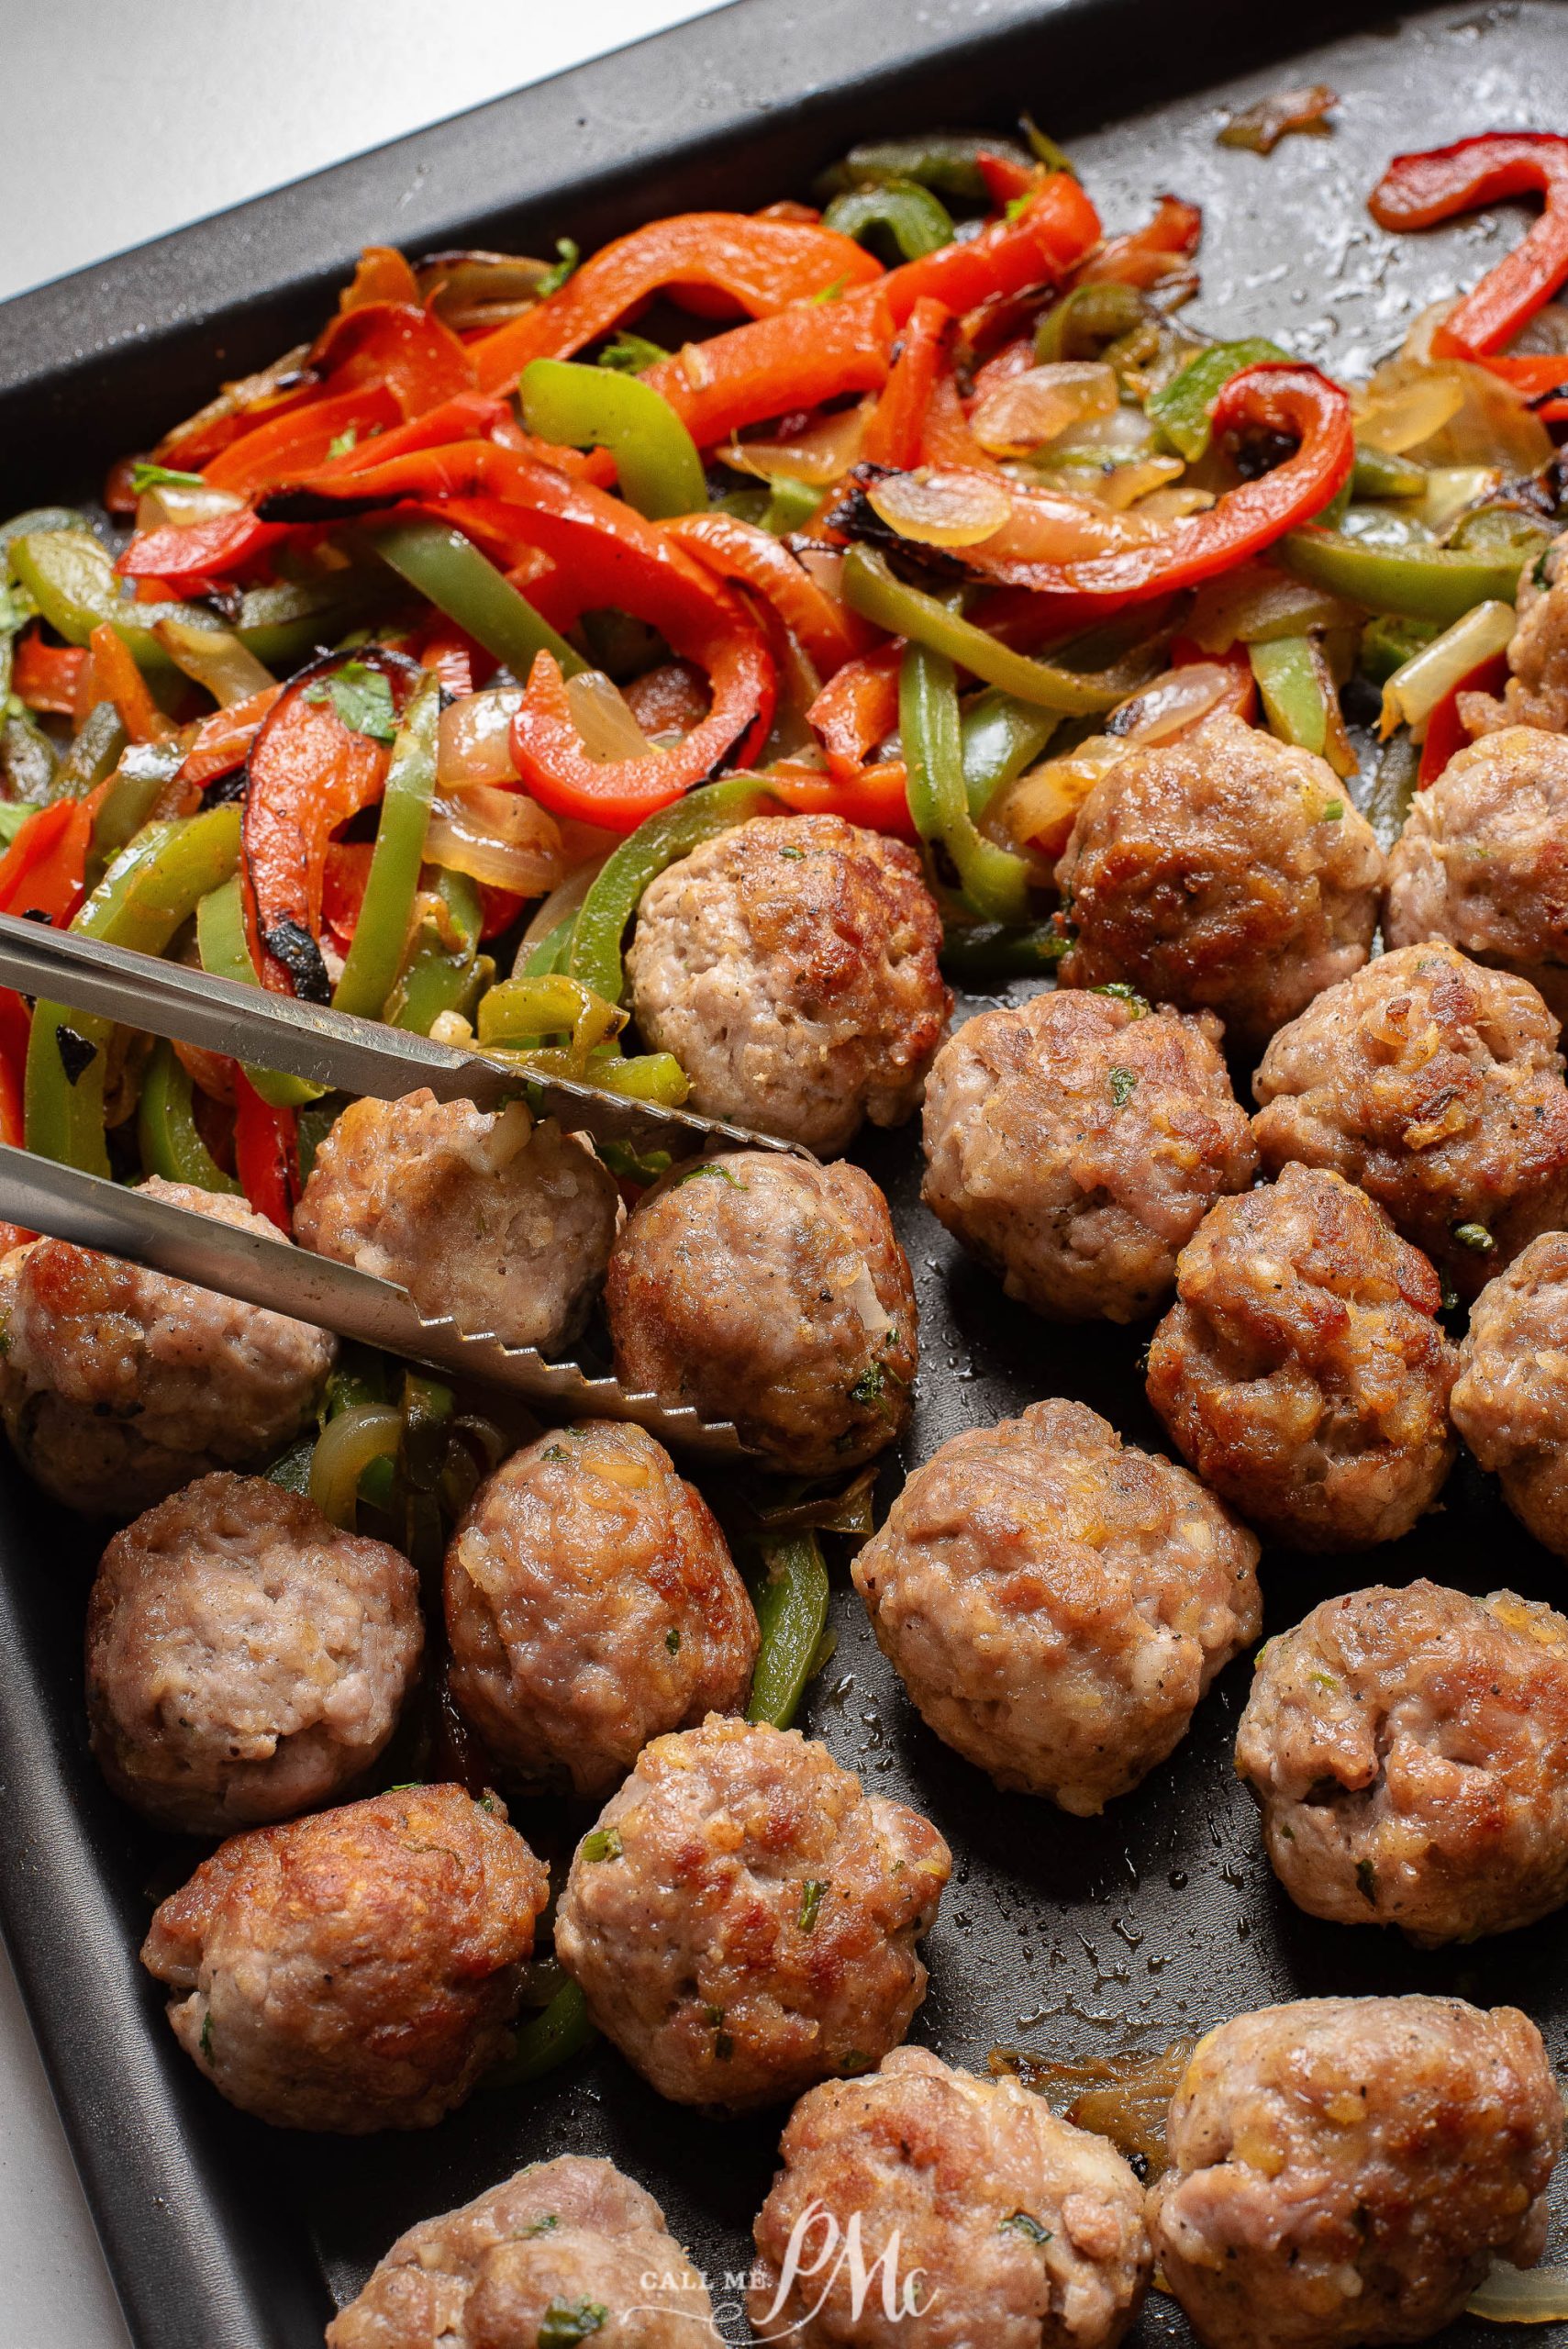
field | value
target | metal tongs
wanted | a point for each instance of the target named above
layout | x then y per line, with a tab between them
347	1055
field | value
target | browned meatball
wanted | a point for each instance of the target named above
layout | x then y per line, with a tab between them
246	1659
1436	1086
1483	859
504	1224
591	1604
1510	1399
120	1385
772	1292
1074	1143
1537	692
790	967
566	2249
355	1970
1409	1750
743	1920
1224	873
1056	1604
1301	1369
1342	2170
1000	2223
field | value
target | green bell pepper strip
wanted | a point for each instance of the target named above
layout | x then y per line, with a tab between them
791	505
465	584
617	887
791	1600
1082	324
917	221
1002	735
1392	788
166	1127
72	581
223	948
871	588
1377	475
1292	691
948	161
552	953
286	623
443	970
556	2033
656	458
37	518
152	887
1388	642
1002	951
1424	583
520	1010
381	931
146	769
657	1078
1181	407
993	882
344	1449
95	753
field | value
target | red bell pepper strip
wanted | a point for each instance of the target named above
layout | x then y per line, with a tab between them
381	275
344	870
1417	191
1007	177
186	552
44	869
850	714
877	797
397	344
893	428
946	441
773	366
1445	733
1052	232
222	742
1146	255
47	677
1535	376
115	678
828	631
467	415
300	440
761	265
266	1154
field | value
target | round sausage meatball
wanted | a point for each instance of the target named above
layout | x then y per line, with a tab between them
1224	873
1483	859
591	1604
1056	1604
1000	2223
1409	1751
119	1385
1343	2170
1510	1399
1438	1087
355	1970
537	2257
790	967
246	1659
502	1223
772	1292
1537	691
1301	1369
743	1920
1075	1141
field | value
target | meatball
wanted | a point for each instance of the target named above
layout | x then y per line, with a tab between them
1000	2223
1056	1604
591	1604
743	1920
246	1659
1074	1143
355	1970
1224	873
119	1385
1510	1399
1301	1369
790	967
1436	1086
1537	693
540	2255
1409	1751
772	1292
1343	2169
1483	859
502	1223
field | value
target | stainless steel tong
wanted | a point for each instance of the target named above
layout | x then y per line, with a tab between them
350	1056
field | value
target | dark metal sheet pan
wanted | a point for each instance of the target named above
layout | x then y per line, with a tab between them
1062	1935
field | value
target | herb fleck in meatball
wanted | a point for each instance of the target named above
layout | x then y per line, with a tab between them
1301	1369
1342	2170
1537	692
766	1290
592	1604
355	1970
565	2250
1510	1399
246	1659
1409	1750
1436	1086
743	1920
1074	1143
1057	1603
1224	873
1002	2224
790	967
504	1224
119	1385
1483	859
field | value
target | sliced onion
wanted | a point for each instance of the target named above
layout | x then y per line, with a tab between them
1027	410
1257	604
503	838
214	658
1179	701
177	506
469	290
1450	413
957	508
1402	412
1125	433
1037	812
1124	2098
1413	692
1546	336
1048	525
1132	484
821	454
474	740
1179	502
1522	2296
603	719
1451	489
562	900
